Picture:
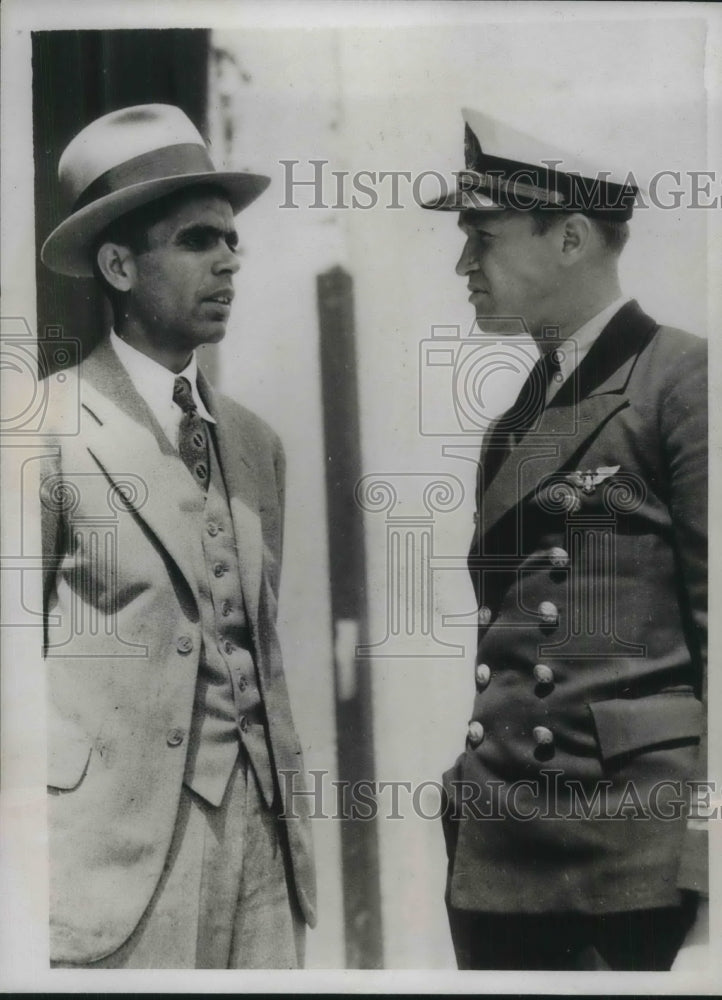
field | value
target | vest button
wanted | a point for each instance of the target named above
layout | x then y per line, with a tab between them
184	644
175	737
543	674
483	675
201	471
242	682
212	528
243	723
475	733
549	613
558	557
543	737
198	440
226	608
219	569
228	647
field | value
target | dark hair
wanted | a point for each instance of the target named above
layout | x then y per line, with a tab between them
131	230
614	234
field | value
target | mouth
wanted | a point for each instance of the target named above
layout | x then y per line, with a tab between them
221	298
475	293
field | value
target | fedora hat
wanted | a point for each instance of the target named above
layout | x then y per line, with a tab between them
507	168
126	159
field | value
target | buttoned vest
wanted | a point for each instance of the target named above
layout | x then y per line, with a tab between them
228	704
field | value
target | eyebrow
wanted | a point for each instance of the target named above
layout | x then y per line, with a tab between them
201	230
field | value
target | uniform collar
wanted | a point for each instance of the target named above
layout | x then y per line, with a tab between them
578	344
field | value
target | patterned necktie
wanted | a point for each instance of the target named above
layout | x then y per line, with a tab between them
522	416
192	434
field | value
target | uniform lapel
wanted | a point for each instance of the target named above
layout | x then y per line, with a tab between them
241	479
130	447
587	401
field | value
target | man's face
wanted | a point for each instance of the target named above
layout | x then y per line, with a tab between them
183	279
510	269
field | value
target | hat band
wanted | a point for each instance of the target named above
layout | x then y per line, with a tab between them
159	164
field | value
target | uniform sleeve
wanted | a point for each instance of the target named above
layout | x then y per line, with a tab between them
683	423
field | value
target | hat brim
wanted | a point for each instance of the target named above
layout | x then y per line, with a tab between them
68	249
461	201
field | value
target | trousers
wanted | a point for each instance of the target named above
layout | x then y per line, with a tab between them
225	899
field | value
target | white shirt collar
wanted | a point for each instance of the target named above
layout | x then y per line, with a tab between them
155	384
578	345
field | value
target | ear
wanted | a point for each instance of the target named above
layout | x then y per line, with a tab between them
117	265
576	238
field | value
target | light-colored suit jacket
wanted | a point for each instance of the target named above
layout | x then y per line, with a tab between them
122	544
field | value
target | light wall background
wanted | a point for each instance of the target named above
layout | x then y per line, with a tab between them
389	99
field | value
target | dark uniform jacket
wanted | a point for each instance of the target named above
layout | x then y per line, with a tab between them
589	564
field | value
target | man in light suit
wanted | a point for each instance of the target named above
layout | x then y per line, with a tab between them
171	747
569	834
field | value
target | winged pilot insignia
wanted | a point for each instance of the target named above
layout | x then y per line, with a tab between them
589	479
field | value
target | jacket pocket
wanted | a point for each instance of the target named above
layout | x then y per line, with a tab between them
631	725
69	751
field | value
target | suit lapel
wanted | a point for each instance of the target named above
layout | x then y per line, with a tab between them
587	401
241	478
129	445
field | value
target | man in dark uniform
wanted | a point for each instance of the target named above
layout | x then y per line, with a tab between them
568	827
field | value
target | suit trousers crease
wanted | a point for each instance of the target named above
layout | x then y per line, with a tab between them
224	900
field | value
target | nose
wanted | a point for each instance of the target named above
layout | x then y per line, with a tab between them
227	261
469	260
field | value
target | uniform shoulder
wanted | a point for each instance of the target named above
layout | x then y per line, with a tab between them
672	356
673	342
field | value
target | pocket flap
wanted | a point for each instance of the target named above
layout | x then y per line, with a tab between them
625	725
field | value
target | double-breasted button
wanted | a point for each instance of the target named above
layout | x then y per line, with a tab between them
219	569
482	675
242	682
483	615
558	557
475	733
174	737
243	723
549	612
228	647
226	608
543	674
212	528
184	644
543	737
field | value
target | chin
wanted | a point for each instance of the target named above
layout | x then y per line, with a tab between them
504	326
213	336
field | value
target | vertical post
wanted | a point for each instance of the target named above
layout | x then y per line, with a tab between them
359	845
